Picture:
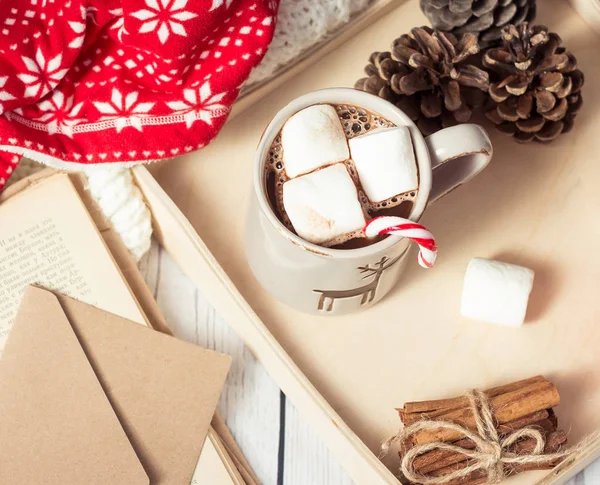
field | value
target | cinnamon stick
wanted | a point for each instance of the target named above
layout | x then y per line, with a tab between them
441	459
544	419
554	441
422	407
536	395
436	459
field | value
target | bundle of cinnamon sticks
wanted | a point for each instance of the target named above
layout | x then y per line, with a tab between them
526	403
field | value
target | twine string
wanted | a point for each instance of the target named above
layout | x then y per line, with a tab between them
491	452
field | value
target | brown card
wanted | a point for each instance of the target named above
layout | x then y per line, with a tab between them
164	391
57	425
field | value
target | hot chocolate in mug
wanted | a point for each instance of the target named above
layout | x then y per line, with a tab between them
327	281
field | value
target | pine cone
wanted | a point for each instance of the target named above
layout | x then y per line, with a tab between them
483	17
428	75
537	84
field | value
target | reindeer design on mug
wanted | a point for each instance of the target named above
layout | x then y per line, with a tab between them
367	291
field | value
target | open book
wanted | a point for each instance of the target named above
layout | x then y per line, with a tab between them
52	235
47	237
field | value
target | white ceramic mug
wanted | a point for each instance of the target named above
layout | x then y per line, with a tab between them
325	281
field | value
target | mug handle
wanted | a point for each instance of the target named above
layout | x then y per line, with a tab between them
457	154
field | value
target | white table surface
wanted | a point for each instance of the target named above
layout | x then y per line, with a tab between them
278	443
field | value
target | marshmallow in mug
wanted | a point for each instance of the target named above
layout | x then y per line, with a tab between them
385	162
323	205
496	292
313	138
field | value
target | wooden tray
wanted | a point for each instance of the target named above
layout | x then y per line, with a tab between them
534	205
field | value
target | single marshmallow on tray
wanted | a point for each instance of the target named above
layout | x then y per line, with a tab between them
313	138
324	204
496	292
385	162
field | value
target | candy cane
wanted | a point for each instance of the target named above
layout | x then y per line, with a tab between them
399	226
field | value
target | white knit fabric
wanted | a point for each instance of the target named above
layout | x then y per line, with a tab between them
123	205
300	25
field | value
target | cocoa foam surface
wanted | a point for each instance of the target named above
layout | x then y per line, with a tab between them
355	121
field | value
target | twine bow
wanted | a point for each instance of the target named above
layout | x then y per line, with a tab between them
491	452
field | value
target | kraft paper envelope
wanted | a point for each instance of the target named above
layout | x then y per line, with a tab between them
89	397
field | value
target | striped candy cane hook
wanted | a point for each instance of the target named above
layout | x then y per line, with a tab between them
399	226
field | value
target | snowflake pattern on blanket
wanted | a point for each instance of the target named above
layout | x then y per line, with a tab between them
125	81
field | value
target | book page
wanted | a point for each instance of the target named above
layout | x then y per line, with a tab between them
47	238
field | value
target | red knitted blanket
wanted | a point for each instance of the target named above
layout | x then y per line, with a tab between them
122	81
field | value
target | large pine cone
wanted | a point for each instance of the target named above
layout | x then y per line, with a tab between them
483	17
536	84
429	76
